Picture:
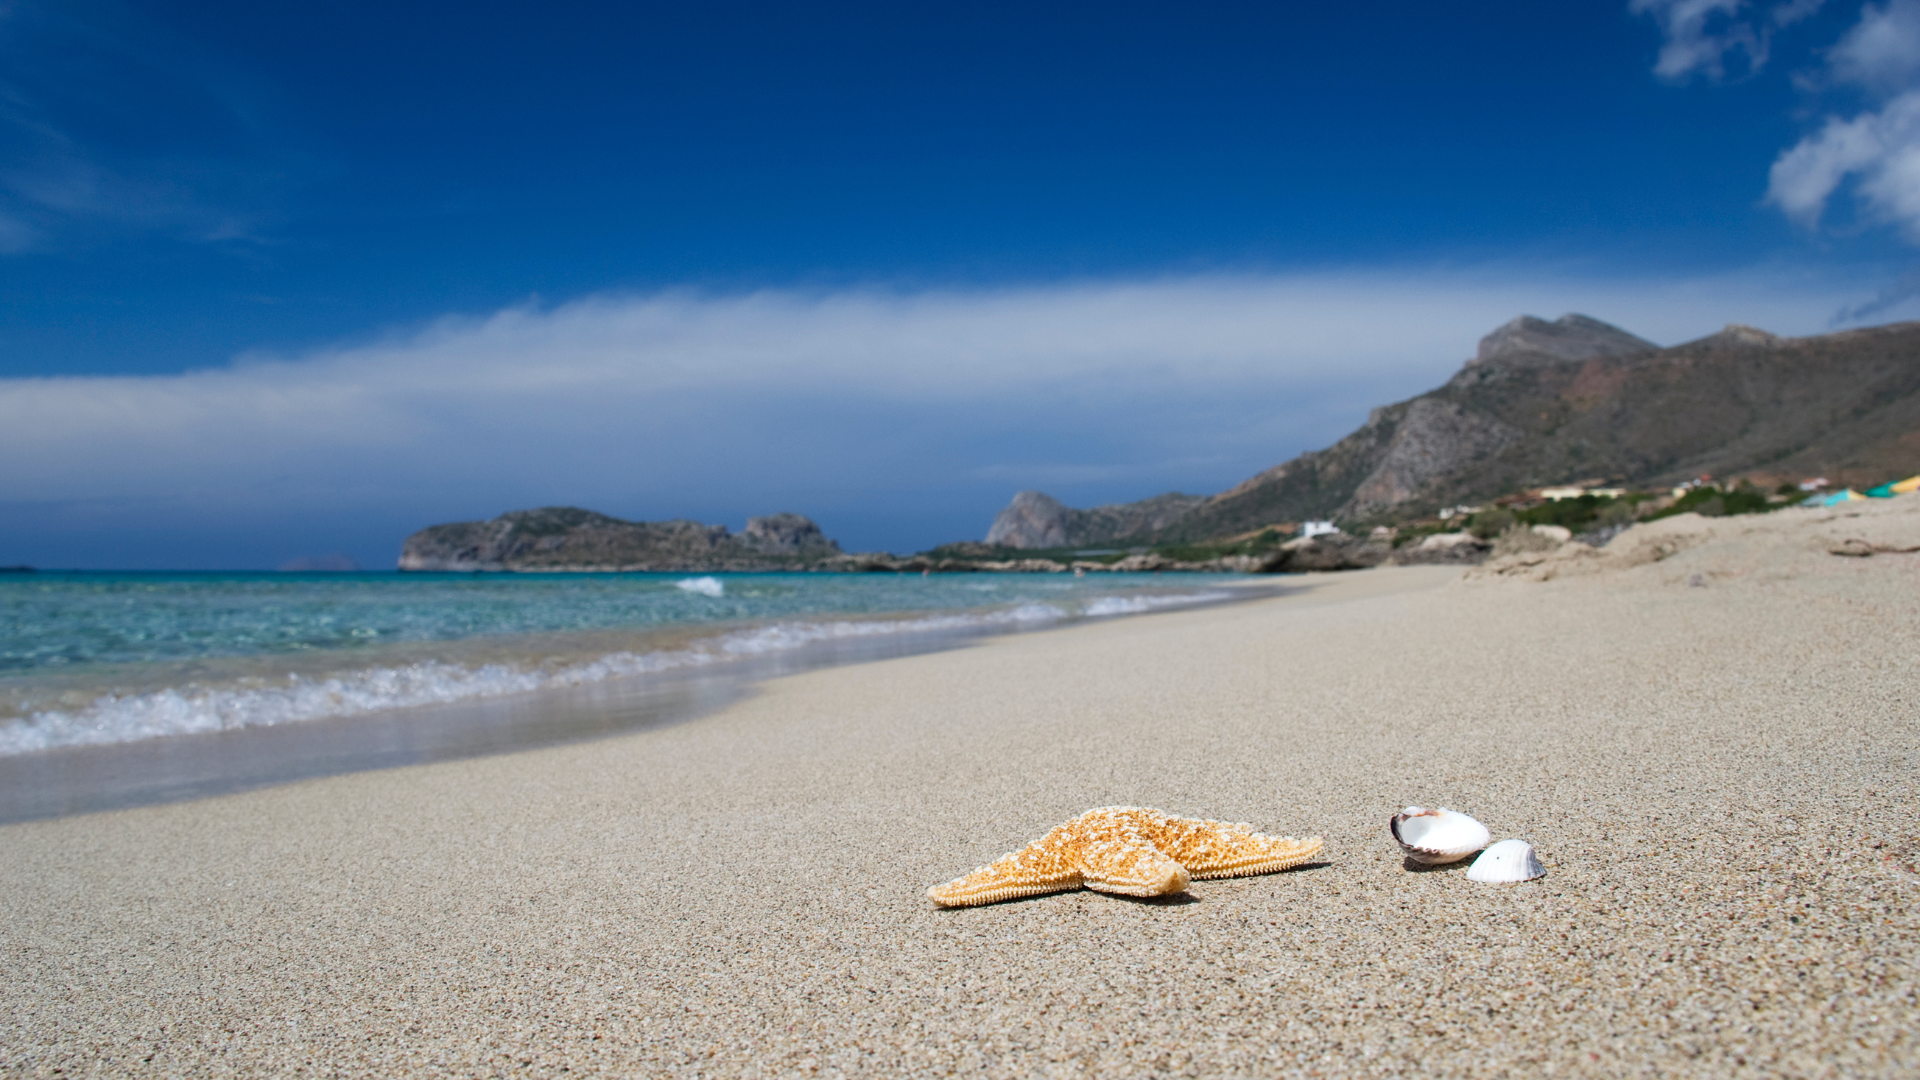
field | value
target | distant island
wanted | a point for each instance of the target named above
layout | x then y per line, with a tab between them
564	538
1573	405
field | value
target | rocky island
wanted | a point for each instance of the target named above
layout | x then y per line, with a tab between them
565	538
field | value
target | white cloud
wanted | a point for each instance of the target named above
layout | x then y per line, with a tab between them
680	403
1882	51
1878	148
1700	35
1882	148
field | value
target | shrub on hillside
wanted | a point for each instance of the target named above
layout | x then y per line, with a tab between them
1488	524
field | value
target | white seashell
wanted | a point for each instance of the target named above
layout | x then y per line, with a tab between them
1506	861
1437	836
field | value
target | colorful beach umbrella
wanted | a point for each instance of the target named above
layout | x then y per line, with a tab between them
1910	484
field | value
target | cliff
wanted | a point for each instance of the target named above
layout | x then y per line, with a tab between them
1552	402
566	538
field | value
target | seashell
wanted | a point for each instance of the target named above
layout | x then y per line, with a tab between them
1437	836
1505	862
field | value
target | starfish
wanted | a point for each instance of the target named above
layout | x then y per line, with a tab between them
1130	850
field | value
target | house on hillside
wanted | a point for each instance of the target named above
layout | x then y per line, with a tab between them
1574	491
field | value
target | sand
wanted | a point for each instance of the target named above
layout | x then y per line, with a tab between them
1720	778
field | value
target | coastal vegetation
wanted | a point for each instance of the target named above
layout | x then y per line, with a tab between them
1742	498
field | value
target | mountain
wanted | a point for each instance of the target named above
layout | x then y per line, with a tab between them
566	538
1552	402
1034	520
1569	337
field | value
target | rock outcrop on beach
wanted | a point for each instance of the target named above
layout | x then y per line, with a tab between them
567	538
1455	547
1574	399
1335	551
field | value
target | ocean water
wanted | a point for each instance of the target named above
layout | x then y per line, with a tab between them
104	658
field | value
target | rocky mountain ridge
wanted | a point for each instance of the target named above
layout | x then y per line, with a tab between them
1550	402
562	538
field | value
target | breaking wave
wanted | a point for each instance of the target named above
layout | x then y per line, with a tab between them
705	586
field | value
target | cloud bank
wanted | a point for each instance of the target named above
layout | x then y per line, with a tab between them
899	420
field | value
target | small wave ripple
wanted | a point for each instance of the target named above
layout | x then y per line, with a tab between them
1134	605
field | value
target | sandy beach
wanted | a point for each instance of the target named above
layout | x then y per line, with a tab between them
1708	731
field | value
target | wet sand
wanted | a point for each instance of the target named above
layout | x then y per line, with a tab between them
1712	748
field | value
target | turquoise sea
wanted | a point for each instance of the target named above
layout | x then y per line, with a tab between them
103	658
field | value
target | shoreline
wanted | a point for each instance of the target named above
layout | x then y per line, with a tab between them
386	648
1712	751
89	777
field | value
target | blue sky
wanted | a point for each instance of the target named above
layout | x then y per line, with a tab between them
296	280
